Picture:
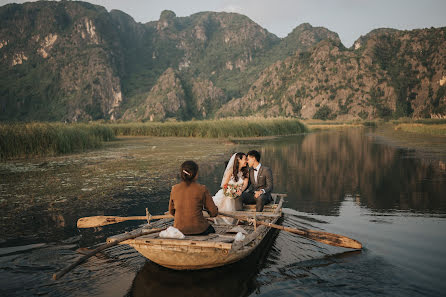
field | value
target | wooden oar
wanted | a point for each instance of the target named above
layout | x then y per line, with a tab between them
103	247
97	221
324	237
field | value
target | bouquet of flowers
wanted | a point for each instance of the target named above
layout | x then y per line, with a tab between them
231	190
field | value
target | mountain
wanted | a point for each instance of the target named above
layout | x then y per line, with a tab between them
59	61
387	73
174	97
74	61
216	47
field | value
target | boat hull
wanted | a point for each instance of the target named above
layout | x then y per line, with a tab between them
194	253
192	257
189	258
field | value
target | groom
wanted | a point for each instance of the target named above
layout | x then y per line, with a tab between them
261	184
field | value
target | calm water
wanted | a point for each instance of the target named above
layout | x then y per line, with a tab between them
353	183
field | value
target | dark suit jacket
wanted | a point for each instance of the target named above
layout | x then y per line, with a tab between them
187	203
264	181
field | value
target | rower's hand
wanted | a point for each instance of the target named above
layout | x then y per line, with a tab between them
257	194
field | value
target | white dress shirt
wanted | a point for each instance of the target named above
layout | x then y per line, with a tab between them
256	172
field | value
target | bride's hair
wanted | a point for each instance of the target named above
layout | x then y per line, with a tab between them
235	169
188	171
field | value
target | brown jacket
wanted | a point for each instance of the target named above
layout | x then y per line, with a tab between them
187	203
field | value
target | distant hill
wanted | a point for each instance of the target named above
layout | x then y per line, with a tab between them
387	73
74	61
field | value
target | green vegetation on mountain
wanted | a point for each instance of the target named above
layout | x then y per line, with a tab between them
74	61
382	76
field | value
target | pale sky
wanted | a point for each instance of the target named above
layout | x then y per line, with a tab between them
349	18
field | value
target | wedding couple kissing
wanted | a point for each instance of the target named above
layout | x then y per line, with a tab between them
245	181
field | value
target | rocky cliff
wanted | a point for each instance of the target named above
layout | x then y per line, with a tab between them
175	97
58	62
387	73
74	61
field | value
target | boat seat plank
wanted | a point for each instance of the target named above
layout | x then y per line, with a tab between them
187	237
179	242
251	214
224	238
266	208
199	237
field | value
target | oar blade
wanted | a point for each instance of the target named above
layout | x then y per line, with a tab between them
96	221
333	239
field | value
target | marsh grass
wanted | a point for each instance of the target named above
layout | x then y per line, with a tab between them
419	121
41	139
370	123
317	125
335	124
237	127
430	129
23	140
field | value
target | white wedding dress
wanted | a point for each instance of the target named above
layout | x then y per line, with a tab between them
225	202
222	199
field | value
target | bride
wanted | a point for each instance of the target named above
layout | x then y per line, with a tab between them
234	182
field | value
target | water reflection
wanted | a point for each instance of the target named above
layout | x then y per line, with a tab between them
389	198
319	170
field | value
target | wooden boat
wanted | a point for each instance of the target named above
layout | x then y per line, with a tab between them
213	250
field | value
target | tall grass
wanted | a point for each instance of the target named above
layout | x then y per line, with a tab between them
338	123
419	121
429	129
238	127
39	139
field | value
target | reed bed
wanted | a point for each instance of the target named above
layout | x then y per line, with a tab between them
429	129
316	125
24	140
419	121
234	128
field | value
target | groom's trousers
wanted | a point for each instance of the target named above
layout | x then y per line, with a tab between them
248	198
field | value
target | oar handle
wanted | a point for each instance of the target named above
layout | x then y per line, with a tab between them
139	218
